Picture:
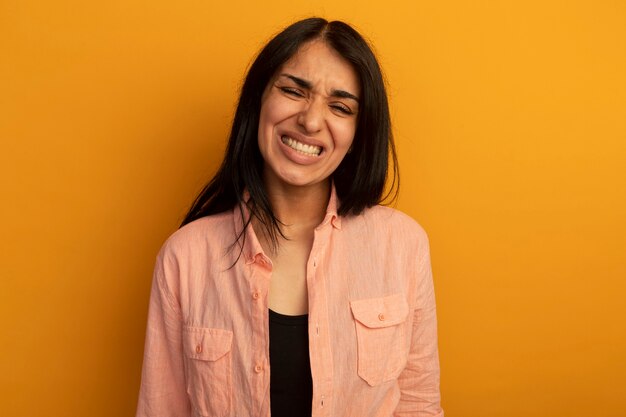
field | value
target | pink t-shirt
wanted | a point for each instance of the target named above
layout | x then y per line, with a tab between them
372	320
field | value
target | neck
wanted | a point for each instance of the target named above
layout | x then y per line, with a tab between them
299	209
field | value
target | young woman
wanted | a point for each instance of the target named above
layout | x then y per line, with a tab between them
288	289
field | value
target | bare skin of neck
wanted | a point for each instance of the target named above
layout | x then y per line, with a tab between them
301	210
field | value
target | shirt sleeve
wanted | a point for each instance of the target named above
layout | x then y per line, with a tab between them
419	381
162	392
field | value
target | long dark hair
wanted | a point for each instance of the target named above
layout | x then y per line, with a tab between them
359	179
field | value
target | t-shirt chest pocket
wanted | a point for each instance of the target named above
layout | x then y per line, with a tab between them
208	366
381	337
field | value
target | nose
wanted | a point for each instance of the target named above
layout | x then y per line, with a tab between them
311	117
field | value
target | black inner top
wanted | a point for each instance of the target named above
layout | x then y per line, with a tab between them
291	386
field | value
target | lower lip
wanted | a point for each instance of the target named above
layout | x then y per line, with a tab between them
297	157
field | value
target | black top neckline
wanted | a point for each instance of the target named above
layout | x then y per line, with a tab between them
278	318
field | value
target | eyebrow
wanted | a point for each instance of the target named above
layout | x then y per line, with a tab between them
307	84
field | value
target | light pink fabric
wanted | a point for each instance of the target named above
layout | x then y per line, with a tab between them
372	321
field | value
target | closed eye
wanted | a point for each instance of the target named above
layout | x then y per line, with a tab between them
292	91
341	108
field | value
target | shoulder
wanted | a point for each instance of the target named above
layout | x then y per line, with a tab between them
198	235
391	222
394	217
386	230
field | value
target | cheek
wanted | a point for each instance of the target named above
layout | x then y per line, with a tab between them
268	118
344	135
275	109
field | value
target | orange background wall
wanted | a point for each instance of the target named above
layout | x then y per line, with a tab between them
510	119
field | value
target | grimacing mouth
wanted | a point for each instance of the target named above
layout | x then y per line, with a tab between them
303	148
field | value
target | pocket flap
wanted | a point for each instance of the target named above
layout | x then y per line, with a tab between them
380	312
206	344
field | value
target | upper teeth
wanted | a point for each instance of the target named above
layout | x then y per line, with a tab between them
301	147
